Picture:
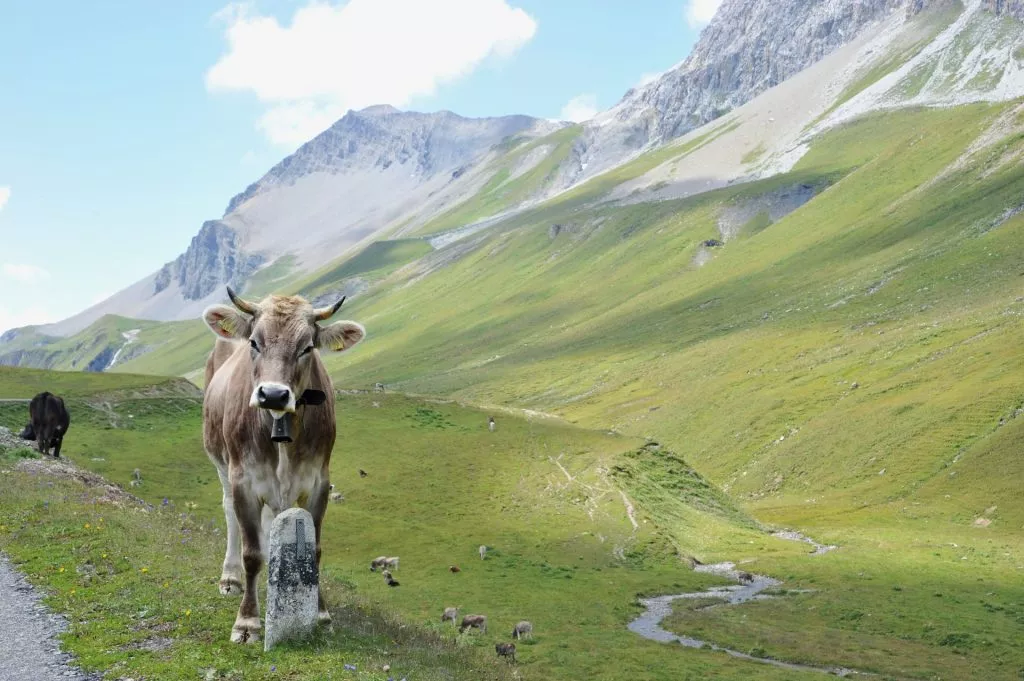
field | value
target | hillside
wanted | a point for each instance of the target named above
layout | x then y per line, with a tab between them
796	270
336	194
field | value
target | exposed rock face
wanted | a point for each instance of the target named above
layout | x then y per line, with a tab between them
379	136
749	47
214	257
1013	8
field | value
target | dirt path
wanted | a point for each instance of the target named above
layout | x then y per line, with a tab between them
29	650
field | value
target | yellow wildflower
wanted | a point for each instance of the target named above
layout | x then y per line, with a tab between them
144	570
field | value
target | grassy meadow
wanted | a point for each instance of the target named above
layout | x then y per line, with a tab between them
850	369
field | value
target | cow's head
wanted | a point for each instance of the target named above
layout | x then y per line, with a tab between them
284	335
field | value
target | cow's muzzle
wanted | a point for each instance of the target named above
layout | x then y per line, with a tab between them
274	397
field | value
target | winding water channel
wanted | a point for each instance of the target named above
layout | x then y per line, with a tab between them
748	587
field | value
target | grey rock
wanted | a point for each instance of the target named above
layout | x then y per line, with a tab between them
749	47
214	257
29	650
1013	8
293	579
379	136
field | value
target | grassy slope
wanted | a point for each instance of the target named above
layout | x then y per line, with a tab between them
501	193
439	485
747	366
75	352
375	261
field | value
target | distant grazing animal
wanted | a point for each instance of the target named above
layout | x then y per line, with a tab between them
362	473
506	650
269	427
474	622
483	551
337	496
746	578
391	581
48	422
490	423
454	568
391	562
450	615
136	478
377	562
522	629
378	387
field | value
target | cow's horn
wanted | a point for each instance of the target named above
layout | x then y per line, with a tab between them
327	312
243	305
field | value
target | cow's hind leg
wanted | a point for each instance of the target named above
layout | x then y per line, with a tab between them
231	572
317	507
56	446
247	625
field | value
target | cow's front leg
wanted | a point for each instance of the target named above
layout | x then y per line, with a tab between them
248	510
317	507
231	571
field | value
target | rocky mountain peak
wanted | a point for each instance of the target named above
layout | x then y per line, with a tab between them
378	137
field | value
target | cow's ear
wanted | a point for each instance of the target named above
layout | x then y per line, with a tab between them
340	336
227	322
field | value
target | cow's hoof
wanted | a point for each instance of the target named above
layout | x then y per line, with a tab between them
323	617
231	586
246	630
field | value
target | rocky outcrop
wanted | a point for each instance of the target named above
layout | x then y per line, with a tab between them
750	46
1013	8
381	136
213	258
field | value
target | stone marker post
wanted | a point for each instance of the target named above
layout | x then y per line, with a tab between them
293	581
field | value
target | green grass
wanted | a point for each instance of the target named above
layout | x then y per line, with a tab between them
563	553
268	279
851	370
19	383
754	155
501	193
376	260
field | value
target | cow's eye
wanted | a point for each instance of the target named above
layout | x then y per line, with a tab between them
306	351
252	344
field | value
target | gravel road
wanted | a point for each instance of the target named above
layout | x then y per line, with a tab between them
29	650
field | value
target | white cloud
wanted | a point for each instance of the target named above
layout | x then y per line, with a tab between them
24	273
701	12
333	58
580	108
5	195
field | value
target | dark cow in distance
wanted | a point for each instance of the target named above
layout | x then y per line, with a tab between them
269	428
48	422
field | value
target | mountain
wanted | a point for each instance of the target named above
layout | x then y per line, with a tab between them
382	190
370	168
812	301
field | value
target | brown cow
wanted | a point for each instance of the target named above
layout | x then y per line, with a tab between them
506	650
269	427
474	622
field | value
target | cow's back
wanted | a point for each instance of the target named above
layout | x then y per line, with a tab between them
48	415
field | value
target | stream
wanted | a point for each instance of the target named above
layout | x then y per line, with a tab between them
749	587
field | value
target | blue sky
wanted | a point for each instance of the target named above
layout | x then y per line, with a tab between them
124	125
